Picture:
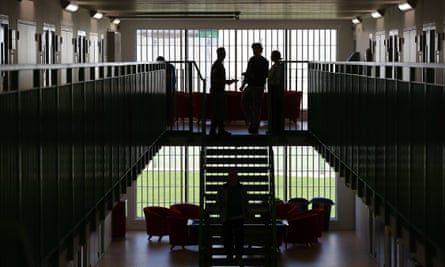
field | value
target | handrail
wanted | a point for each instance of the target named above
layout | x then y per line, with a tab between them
190	91
19	67
383	64
194	64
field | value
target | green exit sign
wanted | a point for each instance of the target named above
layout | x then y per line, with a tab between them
208	33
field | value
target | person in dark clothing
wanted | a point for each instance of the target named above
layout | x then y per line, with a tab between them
217	93
275	90
255	78
232	202
170	84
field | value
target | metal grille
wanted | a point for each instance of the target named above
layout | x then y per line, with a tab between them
200	46
173	176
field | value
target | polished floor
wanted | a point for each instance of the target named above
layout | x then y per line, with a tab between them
335	249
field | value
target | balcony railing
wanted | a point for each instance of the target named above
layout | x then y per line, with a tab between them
381	125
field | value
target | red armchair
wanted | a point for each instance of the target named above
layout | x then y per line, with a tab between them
285	211
187	210
156	221
179	234
320	223
302	229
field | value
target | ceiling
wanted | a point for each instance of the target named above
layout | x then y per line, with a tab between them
248	9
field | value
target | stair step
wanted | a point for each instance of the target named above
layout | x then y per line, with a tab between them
253	167
240	169
210	177
237	160
251	197
249	188
225	151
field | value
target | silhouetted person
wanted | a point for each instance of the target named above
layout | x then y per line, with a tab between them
218	96
170	84
275	84
255	78
232	202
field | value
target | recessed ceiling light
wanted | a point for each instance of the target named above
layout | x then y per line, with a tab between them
71	7
376	14
405	6
98	15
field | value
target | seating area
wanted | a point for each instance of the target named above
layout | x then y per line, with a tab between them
172	222
305	226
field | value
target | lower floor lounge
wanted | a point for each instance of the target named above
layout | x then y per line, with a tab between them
335	248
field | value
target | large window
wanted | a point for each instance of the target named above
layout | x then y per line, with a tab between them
200	46
173	176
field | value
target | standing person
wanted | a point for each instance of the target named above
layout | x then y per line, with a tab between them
255	78
275	84
232	202
217	93
170	84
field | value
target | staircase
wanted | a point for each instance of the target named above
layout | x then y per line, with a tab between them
255	170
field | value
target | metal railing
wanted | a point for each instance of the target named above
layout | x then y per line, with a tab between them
73	138
381	125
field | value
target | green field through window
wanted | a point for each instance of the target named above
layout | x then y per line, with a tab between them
173	177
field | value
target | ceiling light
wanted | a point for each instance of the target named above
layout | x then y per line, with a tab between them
116	21
98	15
376	14
356	20
71	7
405	6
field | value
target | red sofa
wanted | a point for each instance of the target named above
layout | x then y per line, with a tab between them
156	221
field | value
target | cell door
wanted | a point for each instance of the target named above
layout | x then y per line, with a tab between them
429	40
94	48
380	56
26	51
4	30
67	47
409	52
81	48
3	54
66	51
393	47
48	51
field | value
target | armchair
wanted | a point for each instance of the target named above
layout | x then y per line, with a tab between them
285	211
156	221
179	234
302	229
187	210
300	202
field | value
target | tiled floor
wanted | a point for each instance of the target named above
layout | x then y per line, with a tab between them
335	249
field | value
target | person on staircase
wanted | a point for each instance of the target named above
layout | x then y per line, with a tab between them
232	203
